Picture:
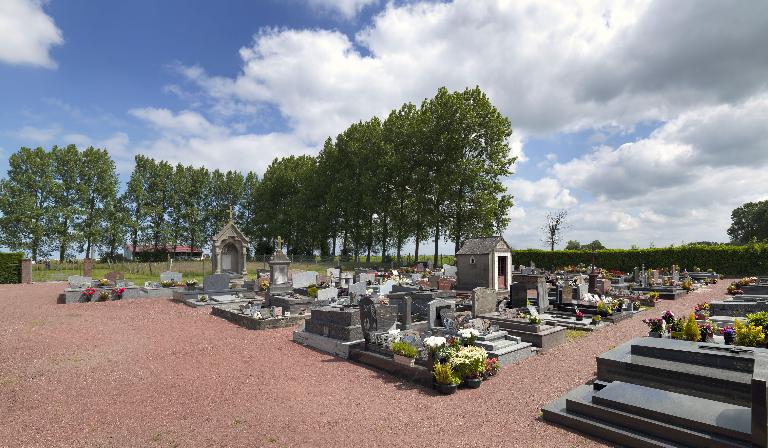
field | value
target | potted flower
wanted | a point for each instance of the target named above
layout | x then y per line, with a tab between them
104	282
404	352
655	326
653	295
676	329
534	320
103	296
264	284
468	336
446	380
168	284
596	320
191	284
87	294
435	345
579	316
669	318
701	311
469	364
202	298
728	334
492	367
707	331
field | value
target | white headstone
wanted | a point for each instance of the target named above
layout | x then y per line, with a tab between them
327	294
304	279
449	271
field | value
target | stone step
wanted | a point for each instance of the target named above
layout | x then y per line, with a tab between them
501	334
556	412
578	410
497	344
703	381
692	413
513	353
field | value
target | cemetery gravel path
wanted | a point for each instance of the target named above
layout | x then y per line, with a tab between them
154	373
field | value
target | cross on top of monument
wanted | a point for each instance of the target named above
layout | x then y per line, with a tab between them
231	214
280	243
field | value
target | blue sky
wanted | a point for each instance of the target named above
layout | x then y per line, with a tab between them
643	132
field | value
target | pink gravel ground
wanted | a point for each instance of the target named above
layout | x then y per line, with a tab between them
155	373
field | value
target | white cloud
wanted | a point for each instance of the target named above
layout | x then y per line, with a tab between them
39	135
546	192
189	138
27	34
347	8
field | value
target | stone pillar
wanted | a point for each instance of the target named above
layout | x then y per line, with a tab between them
245	259
26	270
592	283
88	267
217	258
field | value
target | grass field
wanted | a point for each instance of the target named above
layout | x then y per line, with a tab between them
140	272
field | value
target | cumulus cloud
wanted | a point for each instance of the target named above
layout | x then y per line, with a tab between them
189	138
545	192
28	34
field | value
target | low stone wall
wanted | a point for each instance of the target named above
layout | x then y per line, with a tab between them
252	323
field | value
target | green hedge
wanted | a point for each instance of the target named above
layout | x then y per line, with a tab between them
726	260
10	267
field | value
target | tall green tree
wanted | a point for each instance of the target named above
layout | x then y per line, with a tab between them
749	222
97	182
27	198
66	165
136	198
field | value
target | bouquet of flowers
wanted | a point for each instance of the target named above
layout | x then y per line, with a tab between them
104	282
434	343
468	335
668	317
117	293
491	367
469	362
655	324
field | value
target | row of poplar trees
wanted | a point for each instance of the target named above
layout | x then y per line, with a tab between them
432	172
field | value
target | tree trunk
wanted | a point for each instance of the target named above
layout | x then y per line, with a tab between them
370	239
437	242
384	238
418	243
399	248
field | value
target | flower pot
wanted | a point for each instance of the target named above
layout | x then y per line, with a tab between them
728	339
472	383
654	334
404	360
446	389
579	319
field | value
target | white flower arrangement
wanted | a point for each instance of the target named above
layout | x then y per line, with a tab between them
434	342
468	333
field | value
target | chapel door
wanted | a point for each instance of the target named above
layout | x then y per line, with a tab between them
502	272
228	258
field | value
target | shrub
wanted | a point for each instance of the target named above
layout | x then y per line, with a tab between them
691	330
444	374
10	267
596	320
758	319
312	291
728	260
748	335
404	349
168	284
653	295
469	362
103	296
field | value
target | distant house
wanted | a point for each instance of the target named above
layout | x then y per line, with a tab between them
484	263
177	252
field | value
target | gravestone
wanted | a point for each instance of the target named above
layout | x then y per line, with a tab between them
415	277
345	279
216	282
566	293
675	274
333	273
449	271
368	318
483	301
88	267
435	309
304	279
357	289
170	276
433	281
636	275
327	294
114	276
386	287
449	320
445	284
78	282
365	277
404	305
